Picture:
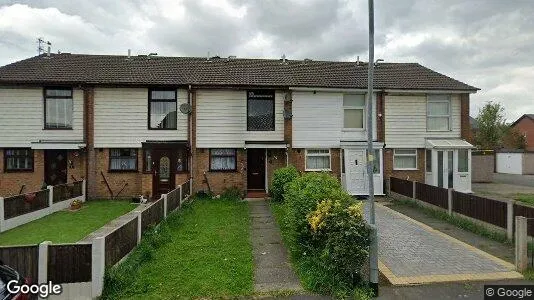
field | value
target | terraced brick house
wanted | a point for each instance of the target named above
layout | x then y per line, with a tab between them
135	125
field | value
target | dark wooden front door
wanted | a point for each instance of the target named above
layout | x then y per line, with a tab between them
256	169
55	167
163	171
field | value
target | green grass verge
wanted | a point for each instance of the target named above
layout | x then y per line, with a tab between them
311	276
67	226
529	274
203	250
458	221
526	198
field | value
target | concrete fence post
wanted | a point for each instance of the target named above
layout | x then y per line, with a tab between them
414	192
2	218
98	266
190	186
84	190
181	197
50	195
510	220
388	186
42	265
521	245
164	206
139	229
449	201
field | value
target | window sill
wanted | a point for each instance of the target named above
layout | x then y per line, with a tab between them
162	128
46	128
318	170
429	130
19	171
223	171
353	129
260	130
406	169
123	171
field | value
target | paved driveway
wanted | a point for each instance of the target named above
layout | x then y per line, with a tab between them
411	252
500	190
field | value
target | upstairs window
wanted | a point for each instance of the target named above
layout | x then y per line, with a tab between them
260	110
438	113
162	109
122	159
18	160
353	111
58	108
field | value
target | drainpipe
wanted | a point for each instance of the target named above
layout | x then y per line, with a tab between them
190	131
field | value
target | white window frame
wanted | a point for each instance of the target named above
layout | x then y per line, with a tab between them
403	154
356	107
317	154
429	101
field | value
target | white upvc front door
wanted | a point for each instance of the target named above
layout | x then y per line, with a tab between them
355	177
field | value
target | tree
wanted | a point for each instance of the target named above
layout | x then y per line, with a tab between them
491	126
513	139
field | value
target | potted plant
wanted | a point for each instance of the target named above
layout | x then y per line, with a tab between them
76	204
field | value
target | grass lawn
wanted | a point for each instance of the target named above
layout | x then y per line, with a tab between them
66	226
527	198
204	250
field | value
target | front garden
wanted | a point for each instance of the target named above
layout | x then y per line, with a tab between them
203	250
66	226
324	230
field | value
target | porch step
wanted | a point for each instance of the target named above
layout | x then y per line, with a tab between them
256	194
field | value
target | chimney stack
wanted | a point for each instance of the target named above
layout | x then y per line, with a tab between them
48	50
129	53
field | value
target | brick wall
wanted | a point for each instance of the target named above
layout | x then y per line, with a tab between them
10	183
218	181
117	180
380	124
417	175
297	157
288	123
76	171
276	158
526	126
89	124
466	132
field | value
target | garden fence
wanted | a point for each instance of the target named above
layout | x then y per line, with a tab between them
80	267
494	212
21	209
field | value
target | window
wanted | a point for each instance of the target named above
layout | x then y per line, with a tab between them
353	111
376	161
463	160
428	160
405	159
223	160
260	110
58	108
122	159
181	160
162	109
438	113
18	160
147	160
318	160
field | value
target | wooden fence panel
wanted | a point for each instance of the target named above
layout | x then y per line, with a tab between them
484	209
24	259
69	263
527	212
152	215
67	191
173	200
22	204
431	194
120	242
401	186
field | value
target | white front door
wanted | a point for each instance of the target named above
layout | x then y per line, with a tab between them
355	168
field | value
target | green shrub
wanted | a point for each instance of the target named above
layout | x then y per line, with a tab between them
281	177
301	197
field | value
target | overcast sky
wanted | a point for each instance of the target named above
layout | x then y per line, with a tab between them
485	43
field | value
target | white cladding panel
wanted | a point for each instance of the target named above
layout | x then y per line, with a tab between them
22	118
121	118
405	121
318	120
222	119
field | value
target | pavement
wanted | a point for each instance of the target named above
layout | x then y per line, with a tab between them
272	268
411	252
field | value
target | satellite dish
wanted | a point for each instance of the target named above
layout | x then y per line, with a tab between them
185	108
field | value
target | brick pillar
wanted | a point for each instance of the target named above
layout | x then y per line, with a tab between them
193	141
288	126
464	118
380	124
89	138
